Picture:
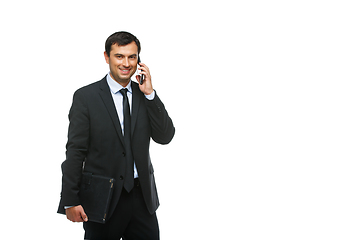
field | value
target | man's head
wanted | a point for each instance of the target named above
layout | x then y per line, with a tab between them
121	39
122	53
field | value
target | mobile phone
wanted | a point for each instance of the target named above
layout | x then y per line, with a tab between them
141	76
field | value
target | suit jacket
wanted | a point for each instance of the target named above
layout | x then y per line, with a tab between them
96	144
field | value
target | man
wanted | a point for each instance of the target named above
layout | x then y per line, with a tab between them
105	140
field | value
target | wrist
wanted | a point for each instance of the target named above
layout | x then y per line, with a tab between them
148	93
150	96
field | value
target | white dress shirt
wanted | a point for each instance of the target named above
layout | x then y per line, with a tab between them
115	88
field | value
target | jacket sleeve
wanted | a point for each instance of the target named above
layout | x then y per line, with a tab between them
162	128
76	151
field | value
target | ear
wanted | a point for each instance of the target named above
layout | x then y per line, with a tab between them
106	57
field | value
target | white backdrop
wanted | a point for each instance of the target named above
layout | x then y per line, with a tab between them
264	96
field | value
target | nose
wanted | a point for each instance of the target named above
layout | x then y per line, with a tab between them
126	62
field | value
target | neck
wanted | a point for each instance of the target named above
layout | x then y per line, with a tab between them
122	82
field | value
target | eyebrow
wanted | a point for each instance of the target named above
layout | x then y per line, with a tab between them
121	55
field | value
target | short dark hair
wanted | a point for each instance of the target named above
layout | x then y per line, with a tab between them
121	38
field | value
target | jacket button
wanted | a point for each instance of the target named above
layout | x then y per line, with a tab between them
124	154
121	177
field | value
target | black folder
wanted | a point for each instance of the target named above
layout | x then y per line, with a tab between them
95	196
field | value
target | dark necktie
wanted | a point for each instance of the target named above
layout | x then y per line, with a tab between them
129	174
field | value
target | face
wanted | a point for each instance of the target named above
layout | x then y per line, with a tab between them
122	62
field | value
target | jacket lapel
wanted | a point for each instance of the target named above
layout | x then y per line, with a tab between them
110	106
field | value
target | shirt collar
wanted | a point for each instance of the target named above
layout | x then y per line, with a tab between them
115	86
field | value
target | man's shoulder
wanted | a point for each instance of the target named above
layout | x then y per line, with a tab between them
90	88
93	85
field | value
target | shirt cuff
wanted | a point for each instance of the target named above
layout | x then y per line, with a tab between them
151	96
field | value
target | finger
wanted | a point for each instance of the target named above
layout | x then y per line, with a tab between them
69	216
138	77
145	74
142	64
78	218
83	216
144	67
73	219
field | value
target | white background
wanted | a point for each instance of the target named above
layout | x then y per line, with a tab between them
264	96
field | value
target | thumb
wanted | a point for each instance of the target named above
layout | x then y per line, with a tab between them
83	215
137	78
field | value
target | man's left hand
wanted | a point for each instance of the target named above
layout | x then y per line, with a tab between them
146	87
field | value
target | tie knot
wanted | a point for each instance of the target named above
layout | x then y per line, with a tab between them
124	91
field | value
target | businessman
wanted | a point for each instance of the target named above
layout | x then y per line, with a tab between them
111	124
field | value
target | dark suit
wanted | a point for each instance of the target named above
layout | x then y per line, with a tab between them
96	143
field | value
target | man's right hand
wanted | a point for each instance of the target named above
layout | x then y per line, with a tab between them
76	214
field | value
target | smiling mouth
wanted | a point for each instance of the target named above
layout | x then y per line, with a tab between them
125	71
